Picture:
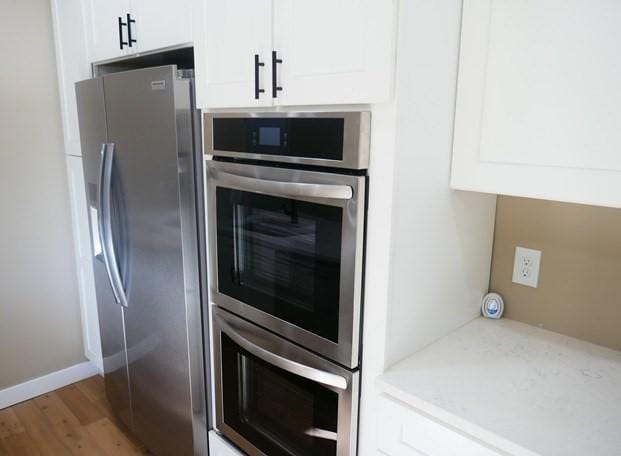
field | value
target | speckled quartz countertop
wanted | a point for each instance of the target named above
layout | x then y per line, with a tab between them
523	389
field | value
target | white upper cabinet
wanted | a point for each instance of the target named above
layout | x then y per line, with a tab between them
161	23
117	28
333	52
309	52
235	54
106	28
539	100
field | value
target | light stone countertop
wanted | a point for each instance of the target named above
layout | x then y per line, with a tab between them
520	388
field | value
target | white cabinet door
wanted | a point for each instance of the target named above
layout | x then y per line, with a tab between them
234	32
102	28
83	253
161	23
334	52
538	100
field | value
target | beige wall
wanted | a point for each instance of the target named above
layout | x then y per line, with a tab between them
39	310
579	291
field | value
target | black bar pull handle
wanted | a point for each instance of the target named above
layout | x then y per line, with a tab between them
257	64
130	21
275	87
121	42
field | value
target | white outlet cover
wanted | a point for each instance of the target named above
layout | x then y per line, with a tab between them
526	266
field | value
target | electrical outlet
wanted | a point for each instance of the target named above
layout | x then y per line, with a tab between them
526	266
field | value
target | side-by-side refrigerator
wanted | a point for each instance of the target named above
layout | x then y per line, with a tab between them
143	171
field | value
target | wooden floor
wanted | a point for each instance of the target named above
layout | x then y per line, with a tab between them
74	420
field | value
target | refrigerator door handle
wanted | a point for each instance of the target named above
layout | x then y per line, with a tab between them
105	223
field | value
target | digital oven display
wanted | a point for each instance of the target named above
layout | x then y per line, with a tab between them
269	136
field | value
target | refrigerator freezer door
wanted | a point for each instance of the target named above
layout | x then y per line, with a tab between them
93	133
146	112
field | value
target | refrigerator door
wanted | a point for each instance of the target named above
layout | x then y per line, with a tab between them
149	117
93	134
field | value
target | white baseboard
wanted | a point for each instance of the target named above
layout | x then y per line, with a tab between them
41	385
96	360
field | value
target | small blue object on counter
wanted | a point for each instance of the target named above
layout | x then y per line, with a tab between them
493	306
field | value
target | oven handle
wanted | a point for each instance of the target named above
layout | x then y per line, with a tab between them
311	373
286	189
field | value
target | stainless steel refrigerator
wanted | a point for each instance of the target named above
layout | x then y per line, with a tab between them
143	171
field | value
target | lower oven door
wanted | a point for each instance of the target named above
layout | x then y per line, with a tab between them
286	249
274	398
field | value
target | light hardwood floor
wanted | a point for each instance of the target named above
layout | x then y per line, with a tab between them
74	420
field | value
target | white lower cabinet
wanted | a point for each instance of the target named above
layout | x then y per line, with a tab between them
403	431
86	279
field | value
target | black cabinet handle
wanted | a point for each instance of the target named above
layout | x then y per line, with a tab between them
275	87
121	42
130	21
257	64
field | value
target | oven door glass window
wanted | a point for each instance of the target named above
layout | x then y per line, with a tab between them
282	256
278	412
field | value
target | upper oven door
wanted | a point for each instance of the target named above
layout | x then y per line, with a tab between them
287	252
334	139
274	398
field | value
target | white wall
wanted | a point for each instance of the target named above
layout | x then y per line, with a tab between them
40	328
428	247
441	239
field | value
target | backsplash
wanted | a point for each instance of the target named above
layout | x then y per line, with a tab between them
579	290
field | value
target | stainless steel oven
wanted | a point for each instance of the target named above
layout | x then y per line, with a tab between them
286	244
275	398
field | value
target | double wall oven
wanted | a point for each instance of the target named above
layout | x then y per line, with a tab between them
286	207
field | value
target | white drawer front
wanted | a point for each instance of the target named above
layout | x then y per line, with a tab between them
405	432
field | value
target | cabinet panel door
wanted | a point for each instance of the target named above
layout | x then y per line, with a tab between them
538	100
102	28
334	52
405	432
84	255
72	65
234	31
161	23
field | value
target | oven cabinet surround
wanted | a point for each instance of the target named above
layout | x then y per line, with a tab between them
326	52
538	105
158	24
72	66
